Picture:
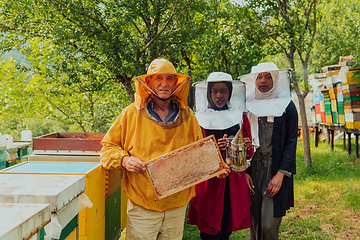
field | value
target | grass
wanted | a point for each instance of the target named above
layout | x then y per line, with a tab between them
327	197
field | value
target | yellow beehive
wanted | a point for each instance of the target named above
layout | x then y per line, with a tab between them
89	218
97	233
334	105
342	119
329	120
349	77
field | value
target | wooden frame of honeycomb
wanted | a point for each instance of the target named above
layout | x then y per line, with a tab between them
185	167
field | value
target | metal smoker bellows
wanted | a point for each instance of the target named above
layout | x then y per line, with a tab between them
236	153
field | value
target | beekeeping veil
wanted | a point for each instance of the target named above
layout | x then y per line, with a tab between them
179	94
208	114
269	104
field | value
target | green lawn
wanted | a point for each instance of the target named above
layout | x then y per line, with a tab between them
327	197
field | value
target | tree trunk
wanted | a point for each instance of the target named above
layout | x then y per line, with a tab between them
126	82
129	89
302	110
305	131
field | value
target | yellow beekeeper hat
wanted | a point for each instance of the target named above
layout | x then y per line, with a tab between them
162	66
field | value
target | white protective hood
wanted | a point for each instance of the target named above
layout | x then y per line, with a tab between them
271	105
209	118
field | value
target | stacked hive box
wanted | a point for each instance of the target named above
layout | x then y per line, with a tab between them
108	215
327	105
3	156
13	156
316	80
323	87
313	115
331	106
351	95
340	104
24	149
308	104
17	153
322	108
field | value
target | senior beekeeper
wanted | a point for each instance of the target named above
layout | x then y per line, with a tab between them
274	124
158	122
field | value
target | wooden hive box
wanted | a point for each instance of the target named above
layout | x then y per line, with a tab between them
185	167
68	143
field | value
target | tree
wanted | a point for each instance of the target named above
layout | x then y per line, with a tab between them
85	49
227	44
338	32
290	27
82	54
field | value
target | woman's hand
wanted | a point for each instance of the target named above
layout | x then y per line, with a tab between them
248	143
250	184
275	184
133	164
223	143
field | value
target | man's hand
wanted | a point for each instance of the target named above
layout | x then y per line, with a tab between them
250	184
275	184
133	164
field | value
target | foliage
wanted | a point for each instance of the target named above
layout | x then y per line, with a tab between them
81	55
14	126
228	43
289	27
338	33
88	50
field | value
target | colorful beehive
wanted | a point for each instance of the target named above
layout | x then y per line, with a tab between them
340	103
332	73
352	119
313	115
61	192
22	220
317	113
322	108
327	107
3	157
333	103
351	95
317	82
334	111
13	155
91	220
24	148
309	102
